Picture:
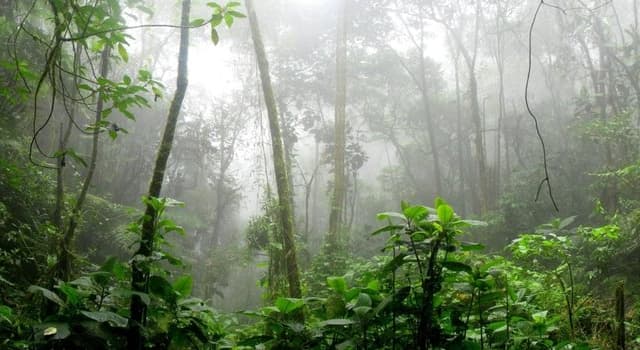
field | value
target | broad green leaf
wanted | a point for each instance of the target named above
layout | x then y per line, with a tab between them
416	213
228	20
53	330
183	285
47	294
197	22
364	300
474	223
445	213
337	322
106	316
236	14
566	222
215	38
540	317
216	20
160	287
469	246
395	263
390	214
457	266
289	305
122	51
72	294
387	228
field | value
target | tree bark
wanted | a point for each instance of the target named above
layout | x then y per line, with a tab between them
139	269
339	183
282	178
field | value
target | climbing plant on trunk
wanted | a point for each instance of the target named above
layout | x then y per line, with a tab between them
279	163
339	185
139	267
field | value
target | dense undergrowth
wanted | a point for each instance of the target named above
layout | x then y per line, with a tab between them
428	287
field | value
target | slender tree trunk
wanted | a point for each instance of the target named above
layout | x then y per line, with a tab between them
501	101
339	182
62	146
140	268
620	326
282	178
476	118
478	140
65	256
461	142
433	143
315	190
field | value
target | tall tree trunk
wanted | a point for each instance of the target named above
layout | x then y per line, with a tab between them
499	56
139	268
339	182
478	140
62	146
476	119
435	152
65	254
462	141
282	178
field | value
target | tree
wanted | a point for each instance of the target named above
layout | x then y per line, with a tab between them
64	254
470	56
279	159
339	181
139	267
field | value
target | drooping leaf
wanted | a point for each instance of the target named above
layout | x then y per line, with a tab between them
390	214
457	266
122	51
215	38
106	316
566	222
469	246
387	229
47	294
160	287
289	305
337	322
197	22
395	263
236	14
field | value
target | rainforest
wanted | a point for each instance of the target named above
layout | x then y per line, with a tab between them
320	174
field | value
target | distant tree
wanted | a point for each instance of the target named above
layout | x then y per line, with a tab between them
339	148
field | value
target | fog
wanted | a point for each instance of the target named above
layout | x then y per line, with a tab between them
435	107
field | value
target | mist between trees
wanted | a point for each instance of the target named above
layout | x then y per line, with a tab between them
307	174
